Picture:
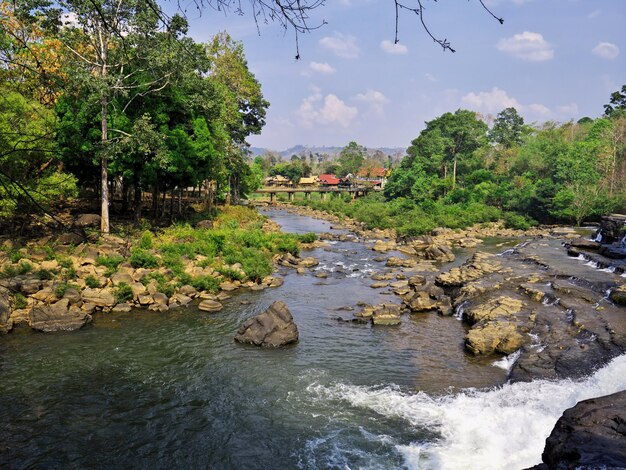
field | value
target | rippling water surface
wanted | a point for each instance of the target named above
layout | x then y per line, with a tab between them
172	390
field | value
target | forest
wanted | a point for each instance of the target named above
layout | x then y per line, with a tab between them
112	101
460	171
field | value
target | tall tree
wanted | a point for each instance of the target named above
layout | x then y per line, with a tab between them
617	102
351	158
508	128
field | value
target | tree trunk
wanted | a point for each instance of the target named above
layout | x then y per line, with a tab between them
104	175
155	201
137	201
454	173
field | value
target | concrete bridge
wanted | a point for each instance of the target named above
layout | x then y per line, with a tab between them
354	191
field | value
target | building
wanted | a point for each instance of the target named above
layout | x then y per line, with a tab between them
328	180
308	181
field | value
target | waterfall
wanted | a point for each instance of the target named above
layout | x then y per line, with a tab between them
597	236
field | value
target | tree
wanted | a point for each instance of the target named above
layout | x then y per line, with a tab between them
508	128
446	140
351	158
30	176
617	102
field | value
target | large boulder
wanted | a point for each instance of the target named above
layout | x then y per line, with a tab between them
58	317
5	312
99	297
592	434
87	220
499	308
273	328
494	336
618	295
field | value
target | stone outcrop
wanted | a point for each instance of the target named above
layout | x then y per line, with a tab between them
58	317
592	434
494	336
273	328
6	324
209	305
479	265
386	314
612	228
618	295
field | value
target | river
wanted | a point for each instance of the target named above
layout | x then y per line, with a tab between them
172	390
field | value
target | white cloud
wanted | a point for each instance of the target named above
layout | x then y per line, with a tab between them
391	48
494	101
321	67
606	50
325	111
430	77
527	46
341	45
375	99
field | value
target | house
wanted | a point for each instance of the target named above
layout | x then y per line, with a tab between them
308	181
278	181
328	180
374	176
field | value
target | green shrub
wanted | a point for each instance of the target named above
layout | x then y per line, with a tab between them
111	262
44	274
19	301
307	237
61	288
70	273
92	282
516	221
24	267
230	273
140	258
146	241
15	256
206	283
123	293
65	262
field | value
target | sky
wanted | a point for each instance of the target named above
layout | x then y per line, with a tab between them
553	60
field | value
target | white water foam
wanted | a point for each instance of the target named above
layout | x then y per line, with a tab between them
507	362
502	428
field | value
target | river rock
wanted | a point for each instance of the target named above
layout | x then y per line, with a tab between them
440	253
618	295
57	317
592	434
6	324
584	243
379	284
494	336
384	246
99	297
119	278
479	265
386	314
205	224
30	286
122	308
87	220
395	262
612	227
273	328
210	306
308	262
188	290
499	308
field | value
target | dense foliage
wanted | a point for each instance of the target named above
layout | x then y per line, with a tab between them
115	94
458	172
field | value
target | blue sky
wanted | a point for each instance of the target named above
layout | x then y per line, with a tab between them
551	59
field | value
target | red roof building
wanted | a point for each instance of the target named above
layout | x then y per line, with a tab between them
328	180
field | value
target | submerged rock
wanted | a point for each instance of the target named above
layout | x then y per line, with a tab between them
592	434
273	328
209	305
386	314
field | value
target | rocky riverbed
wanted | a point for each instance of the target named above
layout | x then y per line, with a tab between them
417	316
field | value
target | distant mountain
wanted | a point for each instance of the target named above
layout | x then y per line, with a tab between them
305	150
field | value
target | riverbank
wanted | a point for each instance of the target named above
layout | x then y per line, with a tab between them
50	285
551	314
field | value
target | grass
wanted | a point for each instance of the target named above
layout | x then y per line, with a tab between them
123	293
